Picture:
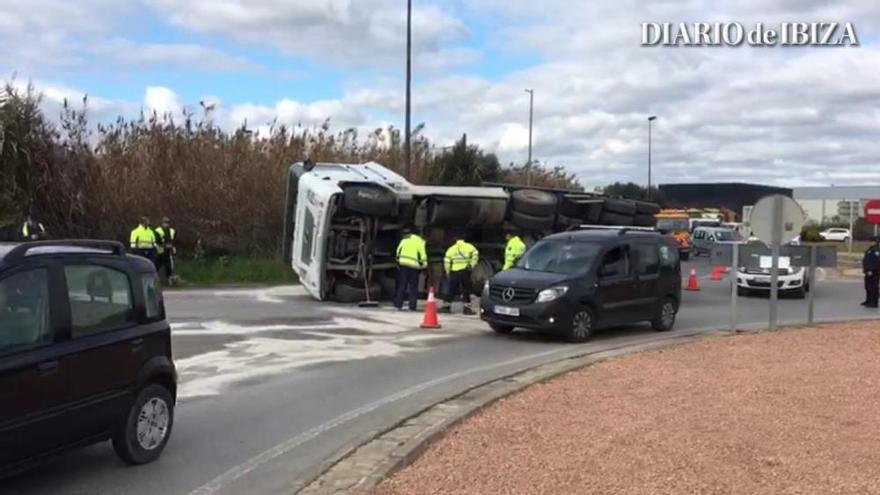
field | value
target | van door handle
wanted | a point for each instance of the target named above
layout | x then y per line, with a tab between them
136	344
48	368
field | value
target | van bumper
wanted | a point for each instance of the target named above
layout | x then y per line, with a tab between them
552	317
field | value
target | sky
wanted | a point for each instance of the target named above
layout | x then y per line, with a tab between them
775	115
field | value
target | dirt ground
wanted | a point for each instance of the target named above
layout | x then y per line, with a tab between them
793	412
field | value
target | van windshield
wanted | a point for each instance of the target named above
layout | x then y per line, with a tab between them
560	256
724	235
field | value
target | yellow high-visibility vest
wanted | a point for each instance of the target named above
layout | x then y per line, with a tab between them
513	252
461	256
143	238
411	252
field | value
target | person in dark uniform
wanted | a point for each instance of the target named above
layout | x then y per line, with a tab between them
871	267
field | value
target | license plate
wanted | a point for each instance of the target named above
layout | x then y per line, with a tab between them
506	311
765	280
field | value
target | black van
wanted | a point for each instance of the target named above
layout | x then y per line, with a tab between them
85	353
575	282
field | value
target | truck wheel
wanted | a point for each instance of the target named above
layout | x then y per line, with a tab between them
481	273
147	428
646	208
571	208
621	206
388	283
593	212
370	200
644	220
608	218
345	292
565	221
531	222
534	202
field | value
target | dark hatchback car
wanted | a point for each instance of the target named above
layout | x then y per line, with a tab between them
85	353
573	283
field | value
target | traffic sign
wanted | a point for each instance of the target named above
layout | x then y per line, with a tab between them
755	254
872	211
777	219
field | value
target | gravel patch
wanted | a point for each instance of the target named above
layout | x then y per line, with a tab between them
792	412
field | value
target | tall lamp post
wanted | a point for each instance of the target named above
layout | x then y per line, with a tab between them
531	93
406	144
651	119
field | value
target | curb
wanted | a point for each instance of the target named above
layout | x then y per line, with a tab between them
369	461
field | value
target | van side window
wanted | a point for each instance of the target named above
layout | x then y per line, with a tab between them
308	237
616	263
24	310
100	299
699	234
649	259
152	296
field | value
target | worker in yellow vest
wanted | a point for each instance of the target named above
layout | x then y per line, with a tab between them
460	259
32	230
514	249
411	260
143	240
165	250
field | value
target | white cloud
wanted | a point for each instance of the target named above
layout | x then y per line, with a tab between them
187	56
162	101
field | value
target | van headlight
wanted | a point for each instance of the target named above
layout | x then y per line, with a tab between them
551	294
486	288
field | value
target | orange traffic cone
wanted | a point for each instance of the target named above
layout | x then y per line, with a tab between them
718	273
692	281
430	318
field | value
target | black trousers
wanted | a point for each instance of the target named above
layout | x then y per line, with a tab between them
149	254
165	266
872	288
407	287
459	284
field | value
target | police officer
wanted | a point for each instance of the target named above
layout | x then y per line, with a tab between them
514	249
32	231
143	240
871	267
460	259
411	260
165	249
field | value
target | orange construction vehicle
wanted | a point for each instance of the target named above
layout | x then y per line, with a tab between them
677	224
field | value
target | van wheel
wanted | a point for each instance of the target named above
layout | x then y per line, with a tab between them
502	329
147	427
664	320
581	328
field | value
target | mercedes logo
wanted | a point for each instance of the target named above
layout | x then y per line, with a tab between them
508	294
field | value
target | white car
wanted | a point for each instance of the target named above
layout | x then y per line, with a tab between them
792	280
835	234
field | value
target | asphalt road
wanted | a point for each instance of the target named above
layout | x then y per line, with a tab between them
272	383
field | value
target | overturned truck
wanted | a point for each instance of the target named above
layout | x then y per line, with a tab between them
343	222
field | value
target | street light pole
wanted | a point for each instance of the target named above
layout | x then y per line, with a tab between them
531	93
651	119
406	144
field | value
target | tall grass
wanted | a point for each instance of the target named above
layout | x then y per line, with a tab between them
222	189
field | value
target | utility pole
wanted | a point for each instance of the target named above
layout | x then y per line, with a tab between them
651	119
407	166
531	93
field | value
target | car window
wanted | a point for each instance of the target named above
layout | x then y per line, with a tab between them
668	256
152	296
24	310
308	237
557	256
648	262
100	299
616	263
700	234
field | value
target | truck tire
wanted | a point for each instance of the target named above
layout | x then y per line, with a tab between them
646	208
480	274
388	283
531	222
369	199
620	206
346	292
566	222
644	220
534	202
608	218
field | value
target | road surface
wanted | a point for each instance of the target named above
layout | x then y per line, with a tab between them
273	383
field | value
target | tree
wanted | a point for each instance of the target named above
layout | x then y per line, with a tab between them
465	165
631	190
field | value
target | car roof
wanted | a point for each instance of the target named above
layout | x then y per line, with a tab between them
9	257
605	235
714	228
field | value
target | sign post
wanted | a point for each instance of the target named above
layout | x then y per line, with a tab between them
776	220
811	305
734	267
872	214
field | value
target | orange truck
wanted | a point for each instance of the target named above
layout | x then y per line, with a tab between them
676	223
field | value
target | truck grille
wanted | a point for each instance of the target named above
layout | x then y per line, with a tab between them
520	295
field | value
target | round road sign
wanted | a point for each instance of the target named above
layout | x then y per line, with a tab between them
872	211
789	219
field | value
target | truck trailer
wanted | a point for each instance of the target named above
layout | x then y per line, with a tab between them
343	223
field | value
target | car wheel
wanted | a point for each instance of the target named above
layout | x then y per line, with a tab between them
147	427
581	328
845	240
502	329
800	293
665	318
